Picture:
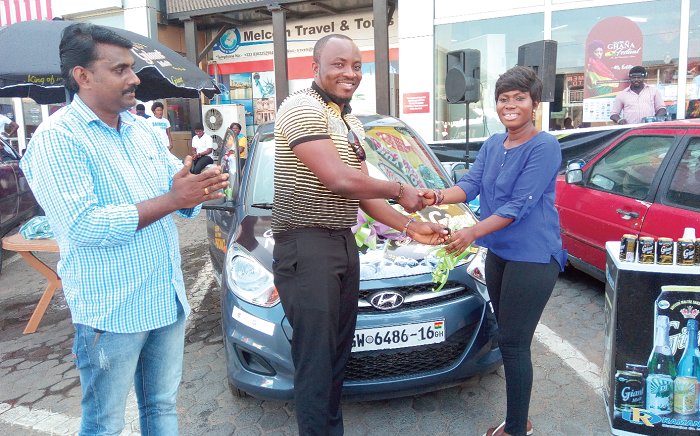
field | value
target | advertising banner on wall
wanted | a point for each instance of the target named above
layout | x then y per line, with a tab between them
254	43
613	47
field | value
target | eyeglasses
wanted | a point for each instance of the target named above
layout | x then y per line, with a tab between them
636	76
354	142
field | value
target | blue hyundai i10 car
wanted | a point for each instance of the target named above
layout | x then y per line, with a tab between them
410	336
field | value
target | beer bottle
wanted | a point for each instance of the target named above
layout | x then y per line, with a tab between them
662	370
685	387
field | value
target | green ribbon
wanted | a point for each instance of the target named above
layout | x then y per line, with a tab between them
446	263
367	229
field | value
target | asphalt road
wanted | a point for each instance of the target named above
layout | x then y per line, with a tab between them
40	390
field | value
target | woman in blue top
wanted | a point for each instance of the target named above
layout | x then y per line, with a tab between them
515	174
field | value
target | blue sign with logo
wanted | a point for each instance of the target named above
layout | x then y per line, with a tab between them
229	42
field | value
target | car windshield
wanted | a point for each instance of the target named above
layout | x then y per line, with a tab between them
393	152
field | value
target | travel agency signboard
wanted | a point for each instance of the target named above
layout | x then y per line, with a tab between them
249	48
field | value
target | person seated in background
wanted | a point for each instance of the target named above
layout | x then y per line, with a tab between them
568	123
637	101
4	131
141	111
202	148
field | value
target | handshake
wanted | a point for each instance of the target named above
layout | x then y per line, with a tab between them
413	200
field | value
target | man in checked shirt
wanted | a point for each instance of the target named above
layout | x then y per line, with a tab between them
108	188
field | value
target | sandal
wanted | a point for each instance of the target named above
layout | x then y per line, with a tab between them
503	425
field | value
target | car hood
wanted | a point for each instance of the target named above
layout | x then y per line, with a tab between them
386	259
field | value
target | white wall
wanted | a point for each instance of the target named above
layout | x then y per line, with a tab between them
138	16
68	8
457	11
416	60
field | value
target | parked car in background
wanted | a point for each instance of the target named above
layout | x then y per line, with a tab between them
17	203
646	183
575	144
409	338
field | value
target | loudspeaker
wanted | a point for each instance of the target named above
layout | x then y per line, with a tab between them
559	85
541	56
463	76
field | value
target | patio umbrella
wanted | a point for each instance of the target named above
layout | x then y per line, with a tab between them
30	65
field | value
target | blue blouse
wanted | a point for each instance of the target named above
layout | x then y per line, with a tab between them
519	183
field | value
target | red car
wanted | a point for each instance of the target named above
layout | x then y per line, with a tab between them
17	203
646	182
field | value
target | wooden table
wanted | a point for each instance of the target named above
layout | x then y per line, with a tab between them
25	247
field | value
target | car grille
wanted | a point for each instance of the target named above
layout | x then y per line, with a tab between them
400	363
415	296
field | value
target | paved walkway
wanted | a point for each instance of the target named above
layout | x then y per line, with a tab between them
40	390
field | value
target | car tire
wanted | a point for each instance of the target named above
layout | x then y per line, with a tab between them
238	393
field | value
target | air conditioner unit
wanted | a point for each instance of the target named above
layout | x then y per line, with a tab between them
218	117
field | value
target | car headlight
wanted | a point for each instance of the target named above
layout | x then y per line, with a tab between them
477	265
249	280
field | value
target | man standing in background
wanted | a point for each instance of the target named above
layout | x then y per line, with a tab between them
161	125
669	90
638	101
141	111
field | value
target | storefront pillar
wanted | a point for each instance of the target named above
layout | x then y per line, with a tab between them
195	104
381	56
684	37
279	44
19	119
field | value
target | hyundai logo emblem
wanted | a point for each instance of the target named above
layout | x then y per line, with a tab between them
386	300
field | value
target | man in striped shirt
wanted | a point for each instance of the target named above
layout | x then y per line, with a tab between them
320	180
637	101
108	188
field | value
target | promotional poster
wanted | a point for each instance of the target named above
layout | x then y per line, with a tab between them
613	47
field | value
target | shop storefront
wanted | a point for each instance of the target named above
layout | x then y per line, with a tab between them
598	42
242	62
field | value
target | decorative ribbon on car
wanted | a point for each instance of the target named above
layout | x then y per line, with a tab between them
367	230
447	262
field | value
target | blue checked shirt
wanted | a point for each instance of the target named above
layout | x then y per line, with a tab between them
88	177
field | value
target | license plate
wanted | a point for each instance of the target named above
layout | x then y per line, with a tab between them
398	336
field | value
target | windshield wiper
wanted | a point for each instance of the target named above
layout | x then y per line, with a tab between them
262	205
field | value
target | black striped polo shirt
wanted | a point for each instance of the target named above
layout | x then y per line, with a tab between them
301	200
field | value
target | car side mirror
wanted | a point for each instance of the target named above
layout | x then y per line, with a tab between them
574	172
230	163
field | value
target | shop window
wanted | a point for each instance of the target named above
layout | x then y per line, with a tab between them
32	116
6	108
693	90
497	40
603	67
179	115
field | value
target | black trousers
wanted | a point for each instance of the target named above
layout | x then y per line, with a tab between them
317	275
519	291
198	165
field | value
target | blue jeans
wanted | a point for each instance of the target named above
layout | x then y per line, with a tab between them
110	362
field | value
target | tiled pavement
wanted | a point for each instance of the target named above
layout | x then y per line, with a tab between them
40	391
